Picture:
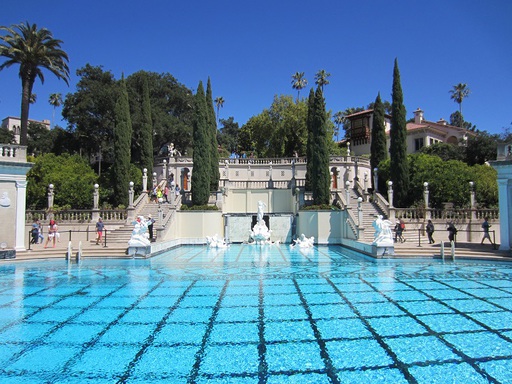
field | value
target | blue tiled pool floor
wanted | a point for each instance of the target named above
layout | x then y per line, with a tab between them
251	314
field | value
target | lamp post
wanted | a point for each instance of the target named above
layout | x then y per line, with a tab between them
96	197
130	194
359	211
145	180
375	179
50	201
426	199
472	200
347	191
164	170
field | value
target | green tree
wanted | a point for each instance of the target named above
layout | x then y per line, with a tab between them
55	101
90	111
457	121
338	120
311	141
378	146
34	50
299	82
6	136
122	146
320	179
399	172
228	136
322	78
278	131
171	109
444	151
458	93
219	103
71	176
146	153
481	148
214	146
202	149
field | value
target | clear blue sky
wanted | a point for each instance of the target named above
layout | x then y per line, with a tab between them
250	49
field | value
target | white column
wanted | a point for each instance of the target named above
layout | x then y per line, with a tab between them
505	198
21	198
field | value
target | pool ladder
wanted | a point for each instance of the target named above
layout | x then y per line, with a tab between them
452	250
70	251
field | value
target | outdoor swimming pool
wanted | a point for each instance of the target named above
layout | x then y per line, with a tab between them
255	314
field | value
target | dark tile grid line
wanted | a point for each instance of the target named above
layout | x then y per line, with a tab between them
397	363
262	347
329	368
469	317
67	368
150	339
41	340
195	371
37	293
471	361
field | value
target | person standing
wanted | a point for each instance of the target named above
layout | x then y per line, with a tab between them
166	194
485	227
151	221
100	226
430	232
452	231
52	230
35	232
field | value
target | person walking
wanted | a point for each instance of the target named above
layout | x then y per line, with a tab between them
485	227
430	232
100	226
452	231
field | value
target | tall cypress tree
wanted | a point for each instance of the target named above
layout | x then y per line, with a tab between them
378	147
399	168
212	128
310	142
202	149
122	147
320	178
146	152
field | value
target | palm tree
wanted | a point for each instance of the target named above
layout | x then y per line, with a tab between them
55	100
339	118
219	103
321	78
33	49
459	93
299	82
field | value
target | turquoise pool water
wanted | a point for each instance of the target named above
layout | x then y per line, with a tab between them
255	314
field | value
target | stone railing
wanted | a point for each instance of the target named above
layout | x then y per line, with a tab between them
74	215
13	153
452	214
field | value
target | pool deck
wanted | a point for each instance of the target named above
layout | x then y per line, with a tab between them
407	250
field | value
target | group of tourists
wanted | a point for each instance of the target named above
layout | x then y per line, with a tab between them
452	231
53	235
161	194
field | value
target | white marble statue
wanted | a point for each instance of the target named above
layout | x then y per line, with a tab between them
260	233
261	207
215	242
383	235
303	242
140	236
